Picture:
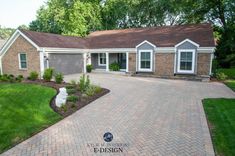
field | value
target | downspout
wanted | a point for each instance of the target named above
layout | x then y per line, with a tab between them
175	61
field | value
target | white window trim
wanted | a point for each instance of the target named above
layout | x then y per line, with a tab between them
151	61
100	64
193	61
20	61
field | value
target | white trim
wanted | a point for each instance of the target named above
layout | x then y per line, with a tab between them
127	62
193	61
19	61
175	60
1	72
212	56
107	61
187	40
12	39
145	41
151	61
41	58
84	62
99	59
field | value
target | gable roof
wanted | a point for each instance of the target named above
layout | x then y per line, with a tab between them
55	40
2	42
166	36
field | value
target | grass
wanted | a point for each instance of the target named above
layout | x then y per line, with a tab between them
24	111
221	116
230	84
229	72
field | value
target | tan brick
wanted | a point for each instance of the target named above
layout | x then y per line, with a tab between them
10	60
203	64
132	62
164	64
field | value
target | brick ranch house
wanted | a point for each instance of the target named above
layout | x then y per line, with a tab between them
162	51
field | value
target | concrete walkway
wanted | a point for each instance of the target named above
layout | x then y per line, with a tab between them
149	116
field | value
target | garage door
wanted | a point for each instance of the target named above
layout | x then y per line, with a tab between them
66	63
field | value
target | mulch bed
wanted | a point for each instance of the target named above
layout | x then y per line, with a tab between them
70	107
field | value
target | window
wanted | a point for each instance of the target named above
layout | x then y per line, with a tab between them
145	60
186	61
102	59
22	61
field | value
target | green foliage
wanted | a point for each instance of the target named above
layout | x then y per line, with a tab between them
19	78
73	82
89	68
64	108
70	86
230	84
33	75
4	78
84	83
220	115
48	73
221	76
72	98
24	109
92	90
71	91
5	33
68	17
114	66
229	72
59	78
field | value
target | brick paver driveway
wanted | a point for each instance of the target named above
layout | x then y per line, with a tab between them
151	116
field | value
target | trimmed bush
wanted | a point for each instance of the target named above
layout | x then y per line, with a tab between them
221	76
89	68
11	78
92	90
114	66
48	73
71	91
33	75
19	78
59	78
5	78
72	98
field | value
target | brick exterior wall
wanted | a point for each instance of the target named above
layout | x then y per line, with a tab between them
203	64
132	62
10	61
164	64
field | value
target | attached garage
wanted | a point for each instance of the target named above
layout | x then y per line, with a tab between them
66	63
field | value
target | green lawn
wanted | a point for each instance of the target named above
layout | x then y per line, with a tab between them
230	84
221	116
24	110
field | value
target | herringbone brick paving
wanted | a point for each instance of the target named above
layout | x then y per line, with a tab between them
152	116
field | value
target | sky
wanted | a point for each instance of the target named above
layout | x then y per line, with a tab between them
14	13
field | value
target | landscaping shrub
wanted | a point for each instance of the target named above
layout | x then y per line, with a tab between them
73	82
70	87
221	76
71	91
33	75
230	72
89	68
114	66
72	98
84	83
48	73
11	78
92	90
19	78
5	78
59	78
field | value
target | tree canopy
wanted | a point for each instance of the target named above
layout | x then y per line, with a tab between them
79	17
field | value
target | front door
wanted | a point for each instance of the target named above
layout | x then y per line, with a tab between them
122	60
